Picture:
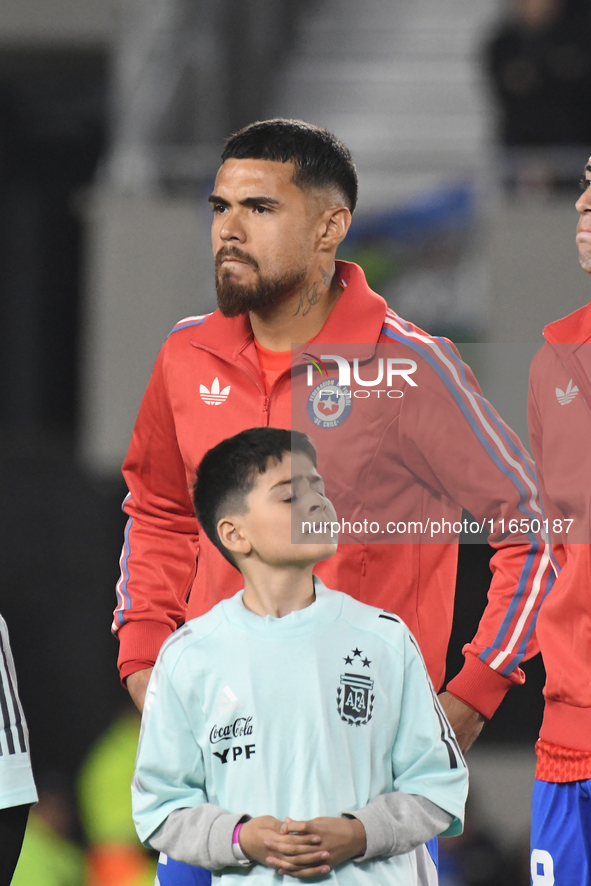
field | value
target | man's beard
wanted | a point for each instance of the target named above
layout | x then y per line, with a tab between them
236	298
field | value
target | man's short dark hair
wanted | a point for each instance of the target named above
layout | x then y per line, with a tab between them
228	472
320	159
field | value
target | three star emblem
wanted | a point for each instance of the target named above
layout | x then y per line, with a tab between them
357	653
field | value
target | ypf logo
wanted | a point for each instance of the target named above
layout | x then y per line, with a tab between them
329	404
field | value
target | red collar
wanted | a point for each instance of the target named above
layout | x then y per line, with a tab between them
572	330
357	317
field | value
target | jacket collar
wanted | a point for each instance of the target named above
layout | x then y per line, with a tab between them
570	331
357	317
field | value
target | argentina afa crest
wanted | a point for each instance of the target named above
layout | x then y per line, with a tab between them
355	699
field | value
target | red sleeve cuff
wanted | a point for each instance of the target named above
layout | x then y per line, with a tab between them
139	645
480	687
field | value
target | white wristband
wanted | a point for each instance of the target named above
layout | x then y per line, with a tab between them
239	855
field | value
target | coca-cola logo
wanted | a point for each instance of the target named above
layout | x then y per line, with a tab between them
240	726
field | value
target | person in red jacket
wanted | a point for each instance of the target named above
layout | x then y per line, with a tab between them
282	204
559	416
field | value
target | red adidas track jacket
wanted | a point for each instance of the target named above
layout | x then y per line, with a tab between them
206	385
560	430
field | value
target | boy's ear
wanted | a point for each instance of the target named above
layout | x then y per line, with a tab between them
231	536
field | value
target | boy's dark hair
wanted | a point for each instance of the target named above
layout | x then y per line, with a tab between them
229	471
320	159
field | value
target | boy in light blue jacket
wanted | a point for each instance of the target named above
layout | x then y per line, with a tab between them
292	730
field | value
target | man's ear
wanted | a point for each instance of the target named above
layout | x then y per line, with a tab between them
335	223
232	537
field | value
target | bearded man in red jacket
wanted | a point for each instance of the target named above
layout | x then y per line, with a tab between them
560	430
282	204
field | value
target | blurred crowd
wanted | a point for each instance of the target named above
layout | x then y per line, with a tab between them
538	62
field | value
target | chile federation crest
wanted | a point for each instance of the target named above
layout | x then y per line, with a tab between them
329	404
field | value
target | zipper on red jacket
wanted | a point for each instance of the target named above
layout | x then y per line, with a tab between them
253	378
267	402
257	382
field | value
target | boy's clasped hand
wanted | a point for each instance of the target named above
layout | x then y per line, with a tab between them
302	848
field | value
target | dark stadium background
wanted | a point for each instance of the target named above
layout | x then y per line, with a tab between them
60	522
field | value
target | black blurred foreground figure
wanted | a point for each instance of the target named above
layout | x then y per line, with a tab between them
13	822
